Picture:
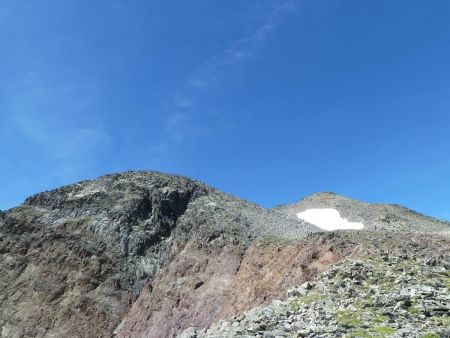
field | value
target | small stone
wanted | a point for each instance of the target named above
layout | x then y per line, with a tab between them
287	327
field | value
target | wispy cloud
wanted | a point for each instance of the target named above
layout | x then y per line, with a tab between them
183	101
212	69
180	124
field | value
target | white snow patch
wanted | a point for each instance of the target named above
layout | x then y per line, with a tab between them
328	219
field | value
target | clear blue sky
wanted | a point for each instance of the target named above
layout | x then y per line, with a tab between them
267	100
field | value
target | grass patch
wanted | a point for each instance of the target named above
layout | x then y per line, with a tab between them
414	310
348	319
294	306
360	334
310	298
377	318
385	330
445	321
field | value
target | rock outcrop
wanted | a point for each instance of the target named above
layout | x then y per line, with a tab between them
144	254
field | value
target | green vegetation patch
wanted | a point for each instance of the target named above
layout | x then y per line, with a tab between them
360	334
445	321
348	318
385	330
414	310
294	306
377	318
430	335
311	298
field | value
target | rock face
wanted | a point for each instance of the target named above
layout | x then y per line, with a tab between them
144	254
74	259
211	281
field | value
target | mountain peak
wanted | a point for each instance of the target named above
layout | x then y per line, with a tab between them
386	217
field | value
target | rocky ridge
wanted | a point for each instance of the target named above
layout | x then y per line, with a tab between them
145	254
380	217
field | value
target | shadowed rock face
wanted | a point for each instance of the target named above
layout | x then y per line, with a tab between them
148	254
73	259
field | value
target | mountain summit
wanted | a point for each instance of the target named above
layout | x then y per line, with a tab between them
383	217
146	254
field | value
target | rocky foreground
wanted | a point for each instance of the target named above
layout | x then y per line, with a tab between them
381	296
145	254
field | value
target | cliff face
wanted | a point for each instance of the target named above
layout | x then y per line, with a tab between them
148	254
74	259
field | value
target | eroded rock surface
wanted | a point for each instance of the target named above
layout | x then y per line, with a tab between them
144	254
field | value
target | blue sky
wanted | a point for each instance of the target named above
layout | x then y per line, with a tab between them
267	100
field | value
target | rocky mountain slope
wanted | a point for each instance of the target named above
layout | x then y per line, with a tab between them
397	293
381	217
144	254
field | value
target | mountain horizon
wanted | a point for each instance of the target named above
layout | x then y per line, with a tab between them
147	254
275	206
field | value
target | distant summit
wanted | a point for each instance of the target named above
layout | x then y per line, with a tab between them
327	208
